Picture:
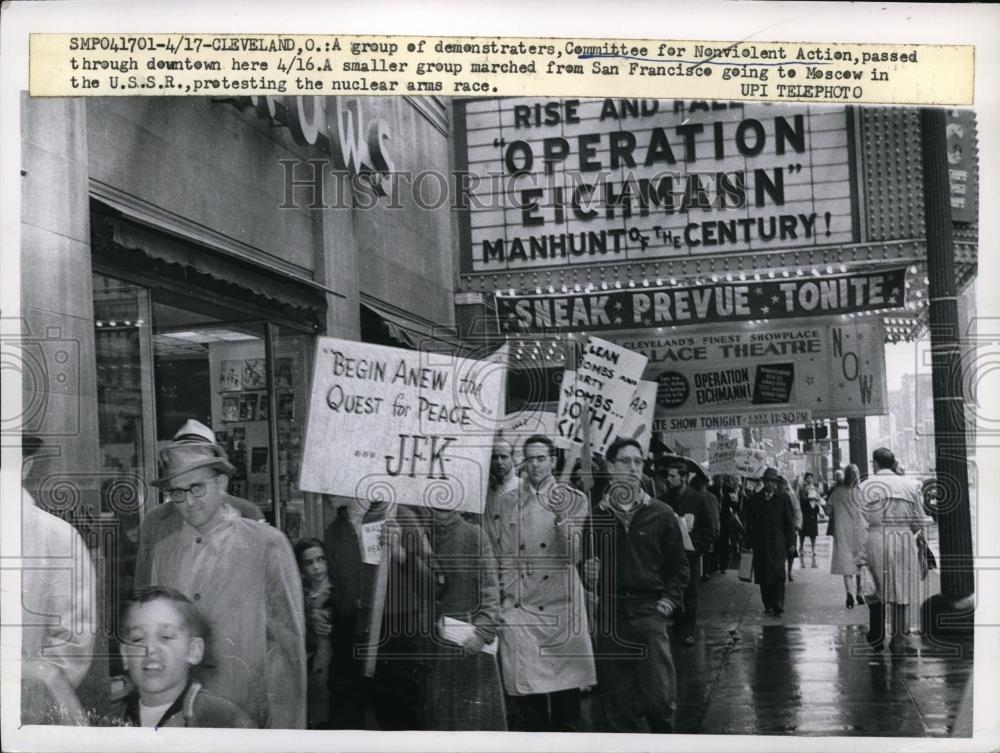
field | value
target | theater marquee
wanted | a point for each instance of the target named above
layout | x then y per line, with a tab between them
557	183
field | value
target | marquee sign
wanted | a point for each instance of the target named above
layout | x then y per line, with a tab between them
633	308
729	378
557	183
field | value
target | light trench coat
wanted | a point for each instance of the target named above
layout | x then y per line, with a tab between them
889	521
242	575
544	639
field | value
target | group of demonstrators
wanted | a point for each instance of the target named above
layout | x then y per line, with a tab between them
488	622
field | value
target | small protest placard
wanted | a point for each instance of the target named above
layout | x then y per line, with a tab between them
722	456
638	422
371	546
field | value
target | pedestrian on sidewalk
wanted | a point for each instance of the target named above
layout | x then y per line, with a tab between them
890	519
783	488
844	527
636	566
696	510
809	502
728	493
770	533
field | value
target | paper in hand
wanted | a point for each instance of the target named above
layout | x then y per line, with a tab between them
457	632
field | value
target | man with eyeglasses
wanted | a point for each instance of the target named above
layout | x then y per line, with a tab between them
164	520
545	650
243	576
637	567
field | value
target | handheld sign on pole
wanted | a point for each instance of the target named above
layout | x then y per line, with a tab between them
378	600
400	426
606	380
419	423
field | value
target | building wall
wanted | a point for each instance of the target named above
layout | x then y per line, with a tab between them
215	168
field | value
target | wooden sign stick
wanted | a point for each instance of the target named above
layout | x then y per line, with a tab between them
378	600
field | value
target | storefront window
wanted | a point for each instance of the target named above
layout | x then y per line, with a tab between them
182	358
124	393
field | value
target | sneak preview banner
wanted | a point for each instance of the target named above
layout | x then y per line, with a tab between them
401	425
658	306
765	375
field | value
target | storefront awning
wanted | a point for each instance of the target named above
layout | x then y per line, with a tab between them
409	332
132	234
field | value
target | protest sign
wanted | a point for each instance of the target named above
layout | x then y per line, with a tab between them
606	379
749	463
401	425
371	545
639	420
722	456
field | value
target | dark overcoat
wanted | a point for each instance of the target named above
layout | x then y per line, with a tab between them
770	531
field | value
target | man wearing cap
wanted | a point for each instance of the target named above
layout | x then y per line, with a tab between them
697	511
770	533
164	520
243	576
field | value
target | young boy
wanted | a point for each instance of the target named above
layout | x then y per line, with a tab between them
164	639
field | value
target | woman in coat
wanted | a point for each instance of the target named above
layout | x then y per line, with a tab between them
463	683
845	514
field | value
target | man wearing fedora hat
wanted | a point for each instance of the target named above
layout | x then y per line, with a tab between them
770	533
243	576
164	520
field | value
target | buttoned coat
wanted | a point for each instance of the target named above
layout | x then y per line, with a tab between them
544	639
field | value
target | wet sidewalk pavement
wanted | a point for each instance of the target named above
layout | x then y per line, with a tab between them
809	672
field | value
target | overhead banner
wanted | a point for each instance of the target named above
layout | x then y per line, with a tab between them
564	182
763	376
605	379
634	308
388	424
